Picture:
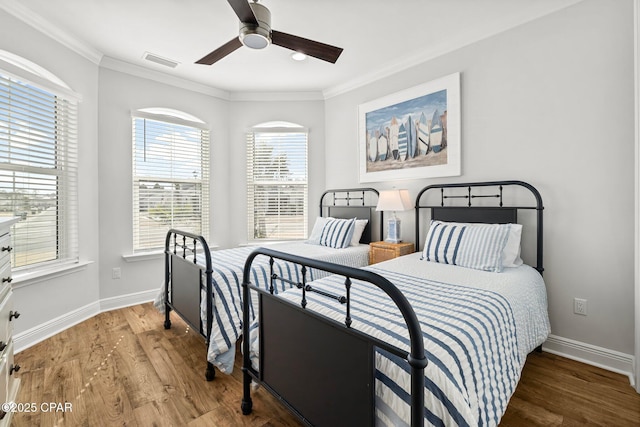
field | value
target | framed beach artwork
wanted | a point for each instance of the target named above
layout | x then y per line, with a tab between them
412	134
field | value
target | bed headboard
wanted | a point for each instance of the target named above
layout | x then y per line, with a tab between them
480	202
354	203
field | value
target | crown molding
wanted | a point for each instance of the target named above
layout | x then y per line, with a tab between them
453	44
31	18
276	96
160	77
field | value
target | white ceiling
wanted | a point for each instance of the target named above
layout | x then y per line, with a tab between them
378	36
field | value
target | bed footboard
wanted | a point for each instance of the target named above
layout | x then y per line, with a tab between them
306	359
184	281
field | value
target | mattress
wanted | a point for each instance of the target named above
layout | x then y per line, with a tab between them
478	328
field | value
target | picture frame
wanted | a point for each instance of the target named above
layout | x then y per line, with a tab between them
411	134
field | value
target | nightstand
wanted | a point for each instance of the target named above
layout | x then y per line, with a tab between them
382	251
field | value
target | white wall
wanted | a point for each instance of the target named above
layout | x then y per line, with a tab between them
45	300
244	115
550	103
120	95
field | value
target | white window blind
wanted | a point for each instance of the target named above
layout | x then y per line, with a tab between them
277	184
38	173
170	181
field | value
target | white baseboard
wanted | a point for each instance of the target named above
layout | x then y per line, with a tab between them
30	337
604	358
115	303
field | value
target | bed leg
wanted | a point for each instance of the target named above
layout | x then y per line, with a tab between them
167	319
211	373
247	404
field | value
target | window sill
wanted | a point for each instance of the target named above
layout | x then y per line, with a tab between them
150	255
143	256
269	242
32	277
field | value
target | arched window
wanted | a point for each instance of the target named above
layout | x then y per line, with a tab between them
170	176
38	163
277	174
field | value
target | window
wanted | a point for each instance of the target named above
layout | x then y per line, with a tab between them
170	176
277	182
38	172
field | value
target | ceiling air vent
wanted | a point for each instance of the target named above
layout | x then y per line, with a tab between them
160	60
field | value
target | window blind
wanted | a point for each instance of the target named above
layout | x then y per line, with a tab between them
170	181
38	173
277	184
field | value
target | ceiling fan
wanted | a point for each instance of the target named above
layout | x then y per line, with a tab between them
256	33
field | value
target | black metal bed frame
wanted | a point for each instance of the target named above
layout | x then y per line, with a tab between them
306	357
499	214
185	299
343	203
184	276
300	374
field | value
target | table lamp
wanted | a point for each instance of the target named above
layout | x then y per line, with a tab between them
393	200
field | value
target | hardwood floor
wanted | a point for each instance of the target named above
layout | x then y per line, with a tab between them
123	368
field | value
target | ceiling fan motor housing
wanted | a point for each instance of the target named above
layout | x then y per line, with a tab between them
257	37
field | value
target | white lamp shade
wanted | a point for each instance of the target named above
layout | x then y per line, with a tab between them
394	200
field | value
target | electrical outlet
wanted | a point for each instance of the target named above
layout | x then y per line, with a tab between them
115	273
580	306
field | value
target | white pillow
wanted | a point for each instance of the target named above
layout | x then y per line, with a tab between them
477	246
358	230
337	233
511	251
316	232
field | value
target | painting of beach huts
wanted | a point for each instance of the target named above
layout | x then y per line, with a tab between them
412	134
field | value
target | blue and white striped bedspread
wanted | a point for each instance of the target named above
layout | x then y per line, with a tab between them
476	337
227	271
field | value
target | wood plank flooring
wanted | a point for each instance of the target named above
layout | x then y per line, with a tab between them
123	368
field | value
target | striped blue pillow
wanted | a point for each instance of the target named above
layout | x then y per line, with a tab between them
476	246
337	233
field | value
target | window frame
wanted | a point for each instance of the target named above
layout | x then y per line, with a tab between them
30	79
275	128
171	118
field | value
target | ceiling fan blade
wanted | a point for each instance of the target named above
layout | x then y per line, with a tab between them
309	47
221	52
244	11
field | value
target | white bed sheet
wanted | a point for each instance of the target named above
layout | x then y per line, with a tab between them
353	256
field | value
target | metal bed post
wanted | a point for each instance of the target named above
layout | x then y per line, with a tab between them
167	278
247	403
210	372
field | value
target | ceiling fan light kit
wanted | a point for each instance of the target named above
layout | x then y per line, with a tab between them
256	33
257	36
